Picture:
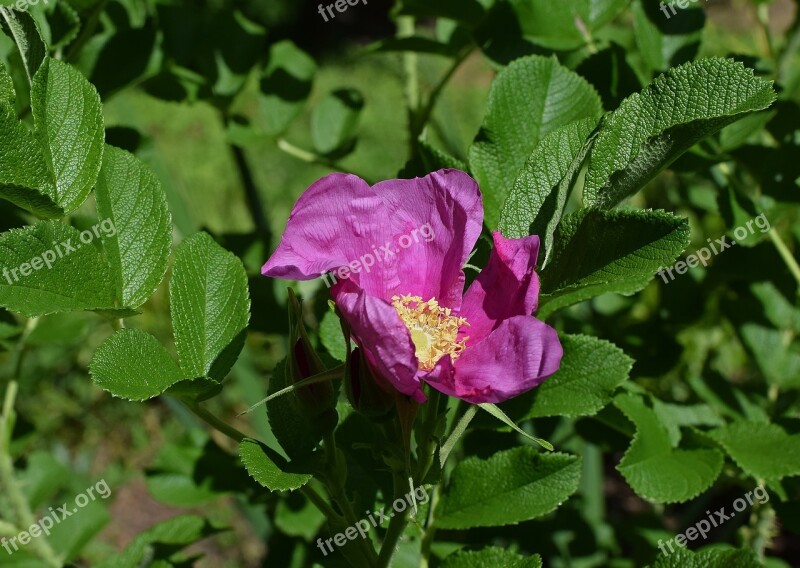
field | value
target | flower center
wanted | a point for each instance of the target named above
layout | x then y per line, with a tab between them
434	330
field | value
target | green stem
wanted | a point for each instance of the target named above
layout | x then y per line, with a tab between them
321	504
425	114
396	526
430	531
218	424
310	157
406	28
13	490
786	255
335	485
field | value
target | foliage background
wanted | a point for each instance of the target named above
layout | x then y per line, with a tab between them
706	347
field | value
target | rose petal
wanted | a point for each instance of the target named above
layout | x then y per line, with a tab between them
443	215
507	287
516	357
382	336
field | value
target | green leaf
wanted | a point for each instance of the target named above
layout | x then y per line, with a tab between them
762	450
21	28
597	252
295	433
76	280
683	558
537	199
210	304
162	541
490	556
269	469
665	42
530	98
590	372
133	365
564	25
776	354
285	85
511	486
7	93
652	128
334	121
676	416
495	411
137	226
69	125
656	471
330	334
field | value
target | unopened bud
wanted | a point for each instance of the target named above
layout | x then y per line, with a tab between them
364	389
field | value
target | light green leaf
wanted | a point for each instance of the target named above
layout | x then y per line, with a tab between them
665	42
133	365
590	372
69	126
137	229
334	121
537	199
564	25
511	486
597	252
330	334
530	98
762	450
501	416
285	85
76	280
20	26
683	558
210	305
269	469
676	416
656	471
163	540
7	93
652	128
776	354
490	556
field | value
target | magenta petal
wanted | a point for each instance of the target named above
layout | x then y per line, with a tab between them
507	287
444	209
336	221
516	357
383	337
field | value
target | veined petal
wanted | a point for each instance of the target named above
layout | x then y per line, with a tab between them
508	286
516	357
382	336
444	209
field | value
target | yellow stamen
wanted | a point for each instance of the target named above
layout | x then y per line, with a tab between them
434	330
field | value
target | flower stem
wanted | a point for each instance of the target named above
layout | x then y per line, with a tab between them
22	510
786	255
458	431
396	526
335	485
218	424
